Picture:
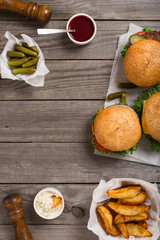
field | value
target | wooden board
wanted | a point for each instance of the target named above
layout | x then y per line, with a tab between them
65	163
108	10
67	80
58	46
47	121
77	198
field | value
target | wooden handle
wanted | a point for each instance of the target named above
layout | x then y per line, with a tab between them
16	214
33	11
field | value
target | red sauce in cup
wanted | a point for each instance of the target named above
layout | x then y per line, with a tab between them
83	26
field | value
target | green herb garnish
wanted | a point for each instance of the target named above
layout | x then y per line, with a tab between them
121	153
138	106
146	29
123	52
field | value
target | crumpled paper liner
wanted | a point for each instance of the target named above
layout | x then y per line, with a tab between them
100	195
144	154
37	78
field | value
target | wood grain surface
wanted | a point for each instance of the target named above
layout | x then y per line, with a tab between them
55	232
45	132
126	10
65	163
77	202
58	46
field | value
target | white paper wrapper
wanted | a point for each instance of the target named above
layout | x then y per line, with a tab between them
100	195
36	79
144	154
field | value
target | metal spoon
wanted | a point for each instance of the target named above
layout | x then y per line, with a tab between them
52	31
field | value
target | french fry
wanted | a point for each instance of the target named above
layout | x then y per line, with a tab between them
138	199
114	232
122	219
126	192
142	224
122	228
128	210
106	217
136	230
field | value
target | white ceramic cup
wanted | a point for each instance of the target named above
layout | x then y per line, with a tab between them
84	42
53	190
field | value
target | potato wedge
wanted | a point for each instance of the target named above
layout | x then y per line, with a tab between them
114	214
128	210
114	232
138	199
122	219
142	224
106	217
125	192
136	230
122	228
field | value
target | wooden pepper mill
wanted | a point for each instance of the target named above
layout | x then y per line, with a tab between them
15	213
33	11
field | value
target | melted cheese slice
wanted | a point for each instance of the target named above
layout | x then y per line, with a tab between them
144	124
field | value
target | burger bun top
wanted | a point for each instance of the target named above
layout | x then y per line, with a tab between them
151	116
117	128
142	63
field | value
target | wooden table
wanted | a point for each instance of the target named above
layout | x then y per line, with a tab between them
45	133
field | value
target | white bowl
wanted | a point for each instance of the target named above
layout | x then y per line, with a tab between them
84	42
54	190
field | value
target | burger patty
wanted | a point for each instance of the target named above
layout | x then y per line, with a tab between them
153	35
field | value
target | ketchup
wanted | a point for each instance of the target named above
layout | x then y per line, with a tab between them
84	28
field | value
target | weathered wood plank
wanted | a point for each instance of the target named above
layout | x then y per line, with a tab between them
53	232
58	46
65	163
77	202
47	121
114	9
66	80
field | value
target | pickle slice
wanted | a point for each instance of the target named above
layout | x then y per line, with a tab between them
135	38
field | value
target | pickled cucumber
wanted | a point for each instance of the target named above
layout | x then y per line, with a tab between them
27	51
126	85
114	95
15	54
135	38
26	71
33	48
14	59
18	63
30	63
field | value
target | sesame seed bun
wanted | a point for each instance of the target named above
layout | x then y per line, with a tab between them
117	128
151	116
142	63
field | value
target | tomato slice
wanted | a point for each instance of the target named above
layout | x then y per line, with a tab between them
140	33
100	147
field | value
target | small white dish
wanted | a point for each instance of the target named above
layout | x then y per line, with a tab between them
81	42
42	213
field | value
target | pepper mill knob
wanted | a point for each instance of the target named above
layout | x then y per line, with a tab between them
33	11
15	213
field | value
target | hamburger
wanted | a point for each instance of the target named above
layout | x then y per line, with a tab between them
116	129
142	59
148	108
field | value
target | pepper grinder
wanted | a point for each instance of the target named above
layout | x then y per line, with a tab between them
31	10
15	213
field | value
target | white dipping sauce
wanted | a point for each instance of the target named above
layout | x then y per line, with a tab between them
44	204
